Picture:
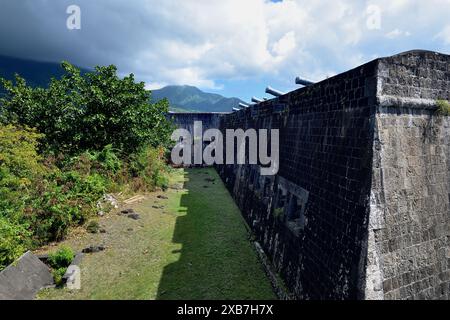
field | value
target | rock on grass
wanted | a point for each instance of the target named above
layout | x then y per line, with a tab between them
134	216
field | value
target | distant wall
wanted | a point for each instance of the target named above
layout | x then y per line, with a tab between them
186	120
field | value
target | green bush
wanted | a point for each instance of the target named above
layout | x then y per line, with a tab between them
61	258
66	199
18	151
19	167
14	239
443	107
108	159
58	275
162	181
148	166
59	261
93	227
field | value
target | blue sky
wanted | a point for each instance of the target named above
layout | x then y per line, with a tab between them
231	47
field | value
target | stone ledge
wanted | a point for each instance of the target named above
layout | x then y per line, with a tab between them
406	102
23	279
279	288
72	277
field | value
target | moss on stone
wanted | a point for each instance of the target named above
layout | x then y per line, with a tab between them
443	107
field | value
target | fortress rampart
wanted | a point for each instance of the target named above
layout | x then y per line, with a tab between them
359	208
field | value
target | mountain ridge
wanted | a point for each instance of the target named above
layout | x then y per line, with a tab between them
192	99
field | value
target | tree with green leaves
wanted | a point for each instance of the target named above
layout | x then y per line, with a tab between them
87	111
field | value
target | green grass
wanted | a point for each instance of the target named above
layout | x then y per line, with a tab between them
195	248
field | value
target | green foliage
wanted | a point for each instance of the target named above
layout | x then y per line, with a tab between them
40	199
88	111
93	227
19	164
443	107
63	199
18	151
13	241
148	169
278	213
93	134
108	159
162	181
58	275
61	258
59	261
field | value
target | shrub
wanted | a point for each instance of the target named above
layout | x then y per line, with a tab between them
40	199
162	181
148	165
52	217
443	107
19	167
12	191
61	258
14	239
65	199
93	227
18	151
278	213
58	275
59	261
108	159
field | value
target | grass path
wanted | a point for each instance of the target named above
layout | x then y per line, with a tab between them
196	247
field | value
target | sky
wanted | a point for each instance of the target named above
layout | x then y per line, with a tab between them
231	47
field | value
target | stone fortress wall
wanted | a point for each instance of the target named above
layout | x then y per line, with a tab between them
359	208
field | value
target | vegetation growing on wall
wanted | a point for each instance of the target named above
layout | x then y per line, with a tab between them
443	107
59	261
64	147
278	213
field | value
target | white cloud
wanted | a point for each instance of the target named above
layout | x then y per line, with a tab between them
444	35
285	45
155	85
396	33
